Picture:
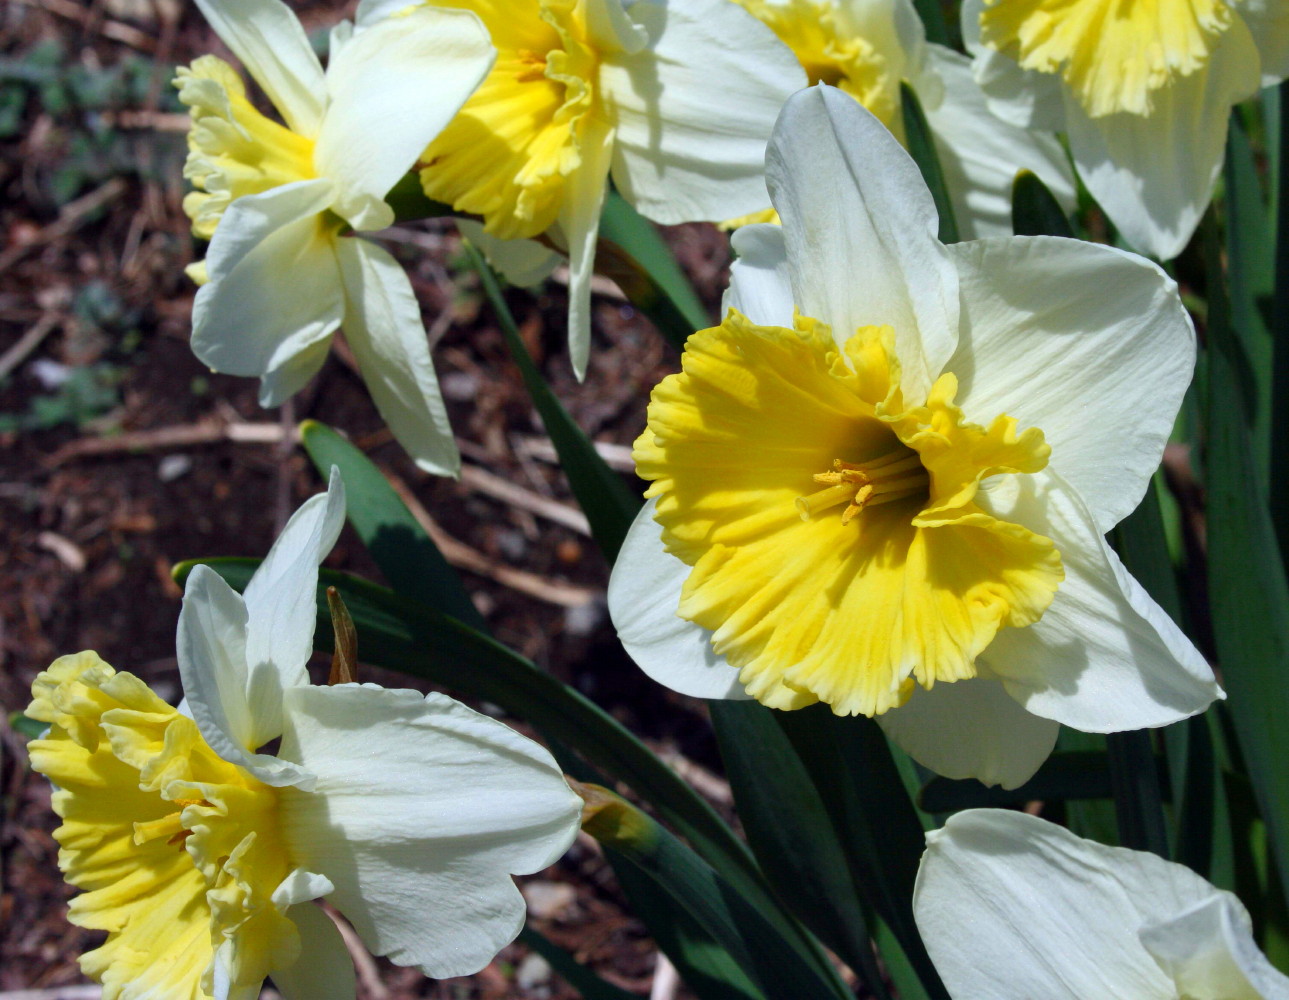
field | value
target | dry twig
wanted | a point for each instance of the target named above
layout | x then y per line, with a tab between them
464	557
180	436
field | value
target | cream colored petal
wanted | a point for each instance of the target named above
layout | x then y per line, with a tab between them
422	812
971	729
384	329
1154	174
860	229
391	90
269	40
694	110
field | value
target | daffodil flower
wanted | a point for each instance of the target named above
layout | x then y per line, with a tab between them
1143	91
1012	907
199	851
277	201
866	48
674	100
883	482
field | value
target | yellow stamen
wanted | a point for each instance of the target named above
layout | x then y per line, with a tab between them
896	475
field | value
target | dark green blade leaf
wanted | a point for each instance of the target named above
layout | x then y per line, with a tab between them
582	979
406	555
1278	480
1247	588
632	252
788	828
705	966
608	504
921	146
1064	777
933	20
1250	256
1035	211
729	917
876	823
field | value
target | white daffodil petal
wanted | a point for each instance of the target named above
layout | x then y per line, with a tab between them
392	88
694	110
280	300
1268	21
384	329
1020	97
579	218
760	280
524	263
1209	951
279	384
1012	907
644	592
269	40
1037	346
301	886
971	729
981	155
282	607
1104	657
253	218
847	193
372	12
422	811
324	970
1154	174
211	649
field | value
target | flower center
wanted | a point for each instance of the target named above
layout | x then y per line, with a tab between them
897	475
507	154
233	150
1113	54
805	606
830	52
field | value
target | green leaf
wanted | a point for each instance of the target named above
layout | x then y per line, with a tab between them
1248	593
608	504
877	825
921	146
26	726
1278	480
1035	211
1064	777
577	975
933	20
702	962
411	562
730	918
1250	255
407	199
789	830
639	260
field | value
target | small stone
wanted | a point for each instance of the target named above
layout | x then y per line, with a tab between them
548	900
533	973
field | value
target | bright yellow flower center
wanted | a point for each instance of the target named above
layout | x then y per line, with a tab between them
1113	54
507	154
829	53
233	150
890	573
178	852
